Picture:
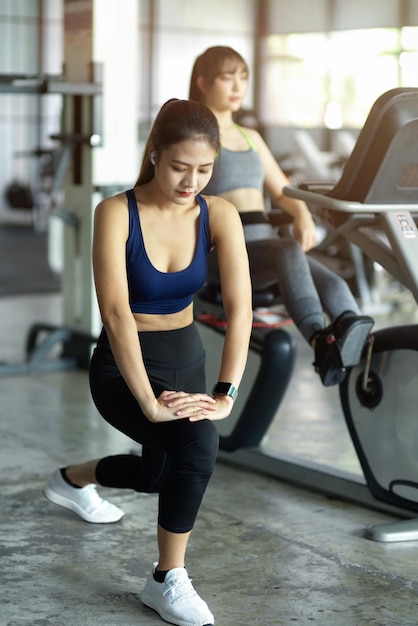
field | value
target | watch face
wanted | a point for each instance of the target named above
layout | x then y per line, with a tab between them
223	388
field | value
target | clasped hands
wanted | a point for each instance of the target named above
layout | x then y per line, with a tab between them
174	405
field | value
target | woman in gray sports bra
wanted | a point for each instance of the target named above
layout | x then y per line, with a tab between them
244	170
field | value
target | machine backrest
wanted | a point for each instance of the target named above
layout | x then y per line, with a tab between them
383	167
265	288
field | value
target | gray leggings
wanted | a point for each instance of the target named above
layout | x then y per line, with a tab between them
307	287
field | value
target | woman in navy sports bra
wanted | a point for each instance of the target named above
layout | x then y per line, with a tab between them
246	168
147	373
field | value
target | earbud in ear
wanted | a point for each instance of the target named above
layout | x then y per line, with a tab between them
152	157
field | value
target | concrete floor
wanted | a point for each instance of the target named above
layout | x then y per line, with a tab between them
263	552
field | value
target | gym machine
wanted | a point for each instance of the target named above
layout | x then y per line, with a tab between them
374	206
81	104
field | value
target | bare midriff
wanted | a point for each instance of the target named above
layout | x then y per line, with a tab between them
245	199
146	322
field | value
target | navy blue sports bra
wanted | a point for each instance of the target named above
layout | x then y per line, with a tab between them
155	292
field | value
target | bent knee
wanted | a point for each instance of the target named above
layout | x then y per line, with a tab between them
199	450
290	246
207	443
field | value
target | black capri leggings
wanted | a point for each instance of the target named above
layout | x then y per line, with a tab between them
178	457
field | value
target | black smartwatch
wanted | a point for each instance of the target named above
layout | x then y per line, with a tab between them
225	389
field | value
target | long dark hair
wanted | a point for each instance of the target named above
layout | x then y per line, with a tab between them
209	65
178	120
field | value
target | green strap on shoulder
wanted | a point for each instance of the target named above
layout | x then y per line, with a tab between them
247	138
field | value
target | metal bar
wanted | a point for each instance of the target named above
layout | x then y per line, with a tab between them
405	530
73	89
33	84
345	206
309	475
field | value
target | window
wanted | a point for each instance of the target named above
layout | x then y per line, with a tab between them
332	80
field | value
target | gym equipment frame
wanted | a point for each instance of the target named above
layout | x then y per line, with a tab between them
375	207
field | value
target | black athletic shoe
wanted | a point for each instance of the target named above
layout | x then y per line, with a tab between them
328	363
352	333
340	345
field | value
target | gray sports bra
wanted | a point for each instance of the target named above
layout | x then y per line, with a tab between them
236	170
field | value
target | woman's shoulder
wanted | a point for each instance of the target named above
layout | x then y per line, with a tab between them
253	135
219	208
115	205
117	200
216	202
224	220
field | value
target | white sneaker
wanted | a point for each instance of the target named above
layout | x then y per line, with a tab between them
175	600
85	502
